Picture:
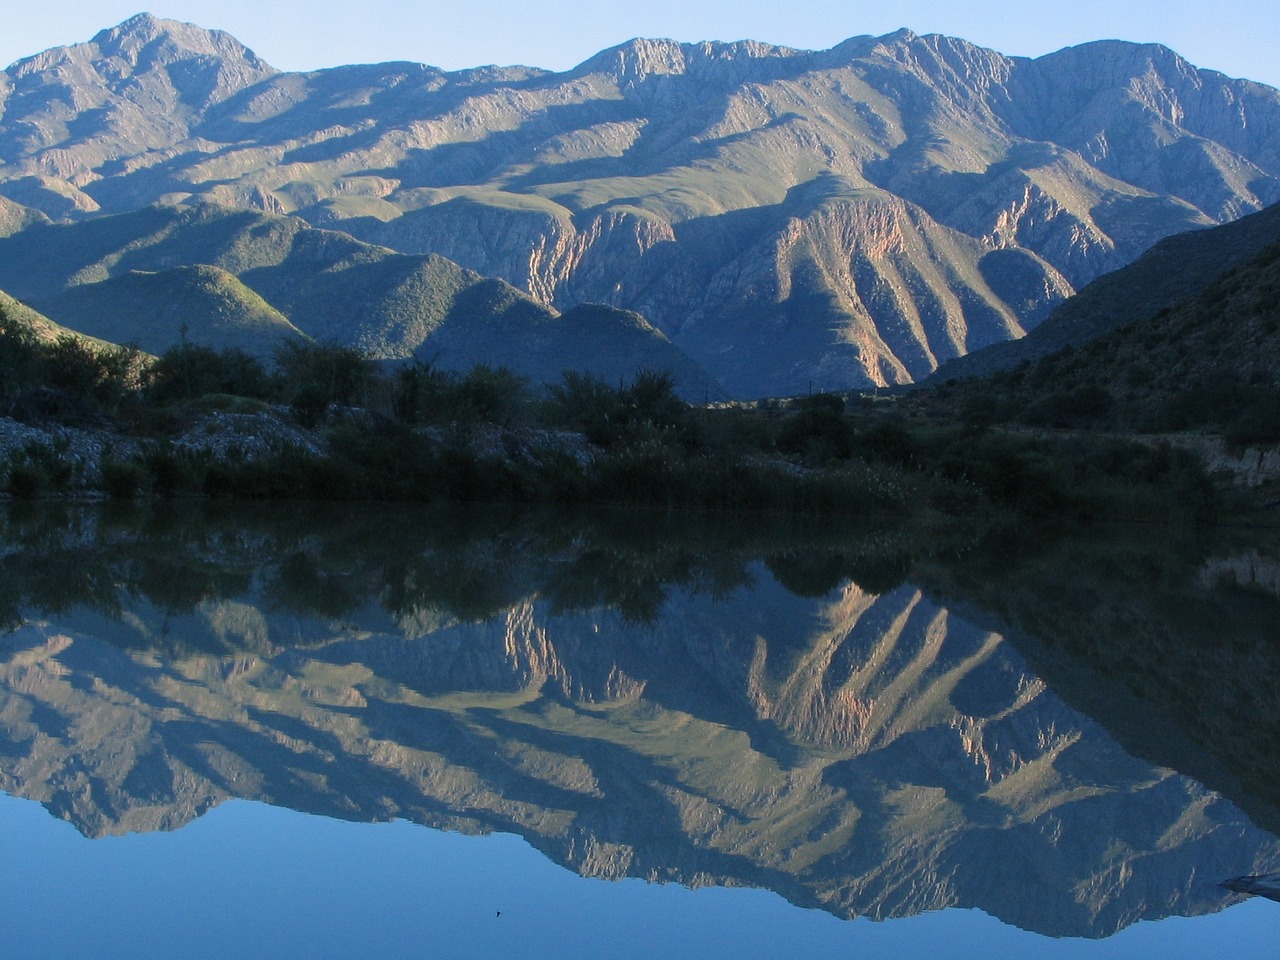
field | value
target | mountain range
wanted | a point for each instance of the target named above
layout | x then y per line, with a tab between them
788	219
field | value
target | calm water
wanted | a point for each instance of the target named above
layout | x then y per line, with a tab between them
342	732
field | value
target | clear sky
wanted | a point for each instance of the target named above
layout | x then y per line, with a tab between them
1238	37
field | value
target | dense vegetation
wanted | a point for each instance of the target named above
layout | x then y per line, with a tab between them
416	432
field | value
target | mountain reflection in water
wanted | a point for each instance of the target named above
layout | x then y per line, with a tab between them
671	699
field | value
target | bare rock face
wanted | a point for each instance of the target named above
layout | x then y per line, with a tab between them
832	210
139	86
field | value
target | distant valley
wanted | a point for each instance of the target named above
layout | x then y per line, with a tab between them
771	221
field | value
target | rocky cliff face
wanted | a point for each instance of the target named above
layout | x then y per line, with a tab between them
866	754
838	208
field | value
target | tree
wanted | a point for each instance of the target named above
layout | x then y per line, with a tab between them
313	376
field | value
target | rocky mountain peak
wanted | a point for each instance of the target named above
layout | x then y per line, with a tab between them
640	58
133	39
210	62
673	179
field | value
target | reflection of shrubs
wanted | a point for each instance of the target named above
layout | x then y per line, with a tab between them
809	574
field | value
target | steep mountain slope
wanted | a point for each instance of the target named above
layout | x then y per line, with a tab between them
44	329
1210	361
1175	270
15	217
247	278
120	100
859	215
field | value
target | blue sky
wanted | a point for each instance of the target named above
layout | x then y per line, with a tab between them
1238	37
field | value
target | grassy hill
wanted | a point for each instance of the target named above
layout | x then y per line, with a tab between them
44	329
15	217
155	311
1186	338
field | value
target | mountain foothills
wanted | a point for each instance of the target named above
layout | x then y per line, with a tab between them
789	219
222	278
1176	270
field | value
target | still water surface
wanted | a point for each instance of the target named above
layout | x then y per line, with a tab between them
402	734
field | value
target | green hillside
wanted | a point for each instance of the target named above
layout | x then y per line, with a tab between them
44	329
15	217
1174	270
156	311
226	275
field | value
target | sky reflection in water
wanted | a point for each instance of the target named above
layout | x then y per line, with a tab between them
261	882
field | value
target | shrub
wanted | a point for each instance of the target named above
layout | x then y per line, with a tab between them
122	480
190	371
490	395
105	375
312	376
27	481
584	402
817	434
174	472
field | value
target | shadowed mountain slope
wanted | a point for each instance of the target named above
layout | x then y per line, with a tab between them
1173	271
1207	359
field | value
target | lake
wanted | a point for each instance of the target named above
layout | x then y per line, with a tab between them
353	730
